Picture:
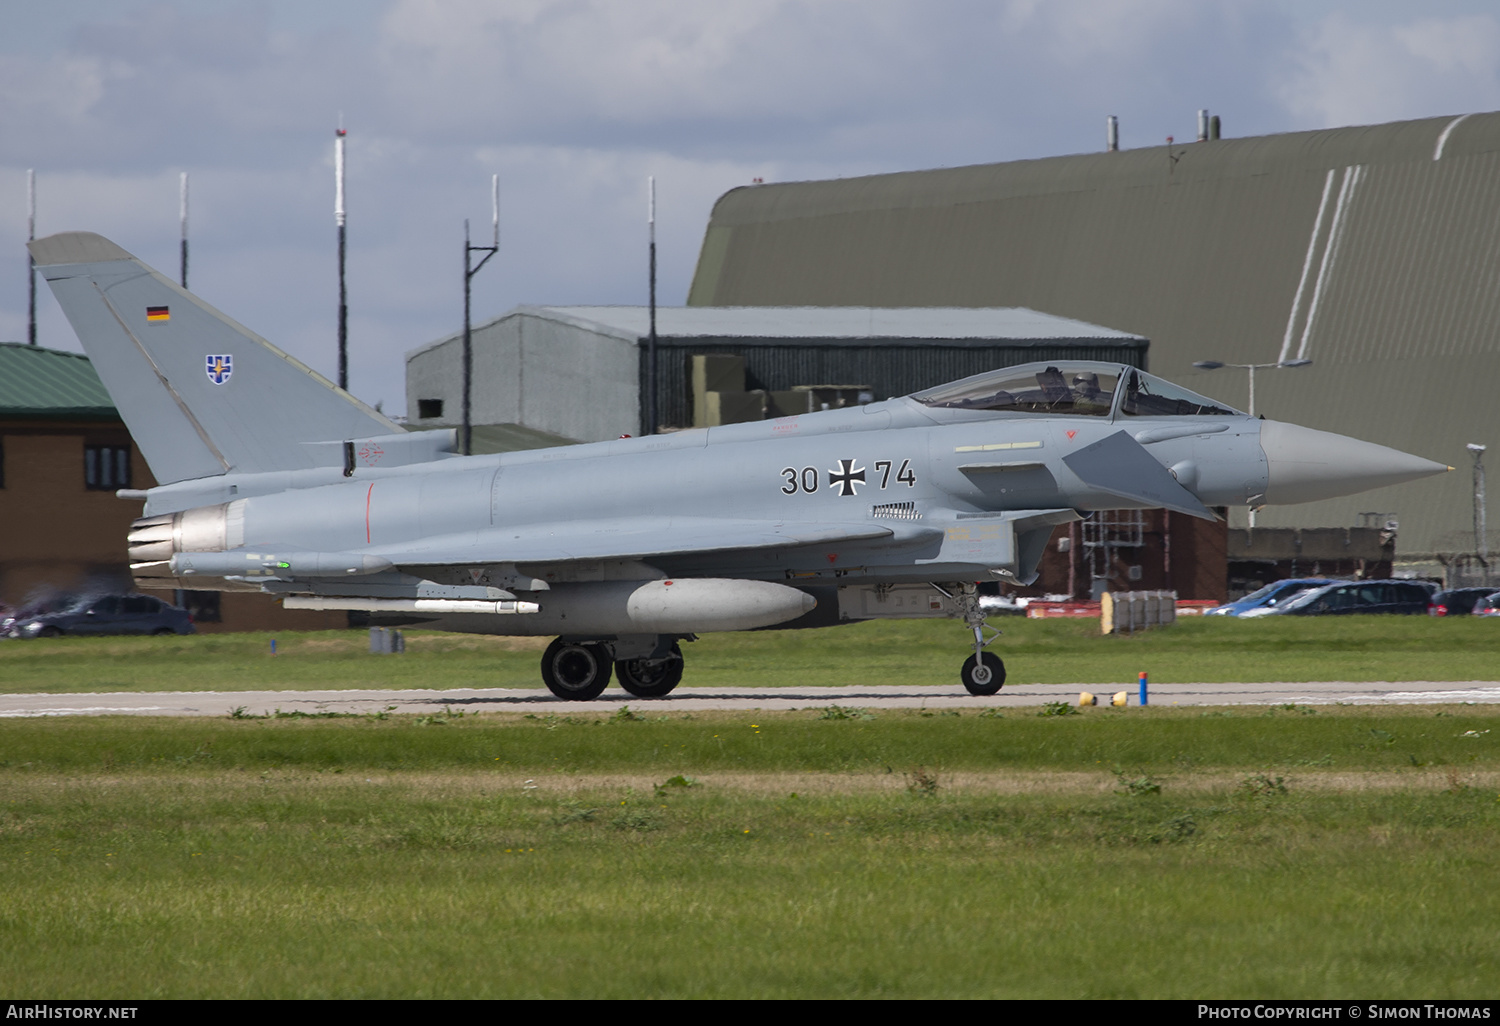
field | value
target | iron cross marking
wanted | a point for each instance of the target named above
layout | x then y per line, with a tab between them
846	477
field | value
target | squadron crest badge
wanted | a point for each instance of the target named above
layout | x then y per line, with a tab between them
219	368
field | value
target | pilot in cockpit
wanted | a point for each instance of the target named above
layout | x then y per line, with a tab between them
1087	395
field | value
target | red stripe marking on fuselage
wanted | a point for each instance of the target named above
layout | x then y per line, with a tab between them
367	511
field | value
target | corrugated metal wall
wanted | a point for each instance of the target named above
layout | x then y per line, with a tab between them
534	371
1372	251
888	366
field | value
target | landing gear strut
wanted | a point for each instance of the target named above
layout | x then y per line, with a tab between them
983	672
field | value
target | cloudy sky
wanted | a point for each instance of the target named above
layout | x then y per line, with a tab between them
574	102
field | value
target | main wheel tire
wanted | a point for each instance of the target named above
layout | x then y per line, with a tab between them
49	632
576	672
651	678
983	676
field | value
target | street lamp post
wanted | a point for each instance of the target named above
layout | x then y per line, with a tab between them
1252	368
1480	548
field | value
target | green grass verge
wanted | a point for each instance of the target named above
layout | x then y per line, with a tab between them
1145	853
1195	650
835	739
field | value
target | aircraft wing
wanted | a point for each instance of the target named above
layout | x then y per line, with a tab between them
630	538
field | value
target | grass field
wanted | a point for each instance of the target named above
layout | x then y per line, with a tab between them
1246	852
1196	650
1280	852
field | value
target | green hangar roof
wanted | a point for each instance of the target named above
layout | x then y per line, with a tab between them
1372	251
47	384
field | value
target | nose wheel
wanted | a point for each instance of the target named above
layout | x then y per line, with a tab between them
983	674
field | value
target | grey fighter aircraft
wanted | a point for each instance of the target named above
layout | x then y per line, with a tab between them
274	480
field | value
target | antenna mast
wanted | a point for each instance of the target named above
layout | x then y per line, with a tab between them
182	217
338	217
651	411
466	434
30	260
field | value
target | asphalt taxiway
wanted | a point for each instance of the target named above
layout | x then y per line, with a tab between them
937	696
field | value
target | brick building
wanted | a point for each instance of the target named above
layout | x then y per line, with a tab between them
64	453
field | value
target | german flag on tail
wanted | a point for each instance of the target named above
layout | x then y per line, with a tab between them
158	313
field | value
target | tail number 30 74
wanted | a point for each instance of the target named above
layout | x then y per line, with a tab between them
806	479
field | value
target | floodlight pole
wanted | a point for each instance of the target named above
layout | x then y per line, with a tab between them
466	433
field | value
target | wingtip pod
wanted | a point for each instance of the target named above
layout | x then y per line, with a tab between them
75	248
1306	465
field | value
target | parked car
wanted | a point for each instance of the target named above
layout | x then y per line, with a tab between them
53	603
1488	606
102	614
1458	601
1362	597
1270	598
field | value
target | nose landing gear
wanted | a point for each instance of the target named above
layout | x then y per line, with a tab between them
983	672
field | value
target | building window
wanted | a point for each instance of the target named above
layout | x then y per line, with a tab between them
106	467
429	409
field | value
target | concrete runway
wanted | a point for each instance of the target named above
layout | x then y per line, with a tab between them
687	699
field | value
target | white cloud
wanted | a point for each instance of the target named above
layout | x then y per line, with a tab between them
1468	46
46	95
1113	29
575	102
1345	71
548	71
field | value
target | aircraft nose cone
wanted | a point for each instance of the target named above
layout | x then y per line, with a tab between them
1305	465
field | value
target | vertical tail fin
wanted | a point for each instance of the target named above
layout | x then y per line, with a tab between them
201	394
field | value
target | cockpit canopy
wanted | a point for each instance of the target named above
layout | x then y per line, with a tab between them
1077	389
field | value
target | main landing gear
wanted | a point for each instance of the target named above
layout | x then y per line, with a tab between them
576	671
651	678
580	670
983	672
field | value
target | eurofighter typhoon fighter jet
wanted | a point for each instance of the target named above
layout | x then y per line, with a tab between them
273	480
